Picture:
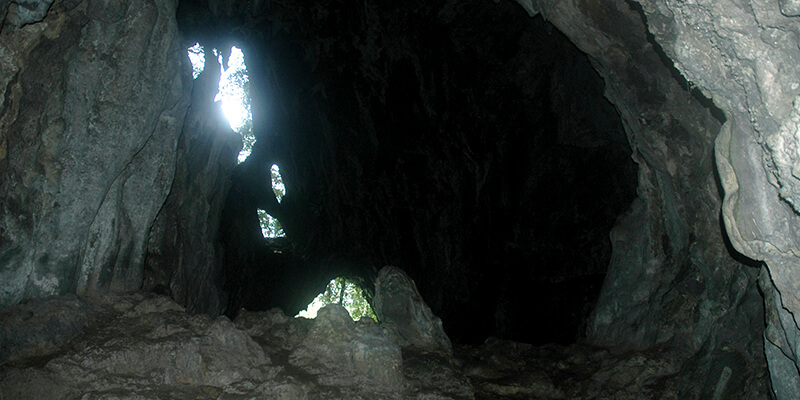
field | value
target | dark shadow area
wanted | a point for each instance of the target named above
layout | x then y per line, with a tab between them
691	90
468	144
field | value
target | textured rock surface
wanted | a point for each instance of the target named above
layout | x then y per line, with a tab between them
671	279
182	253
341	352
745	56
401	309
148	347
22	12
464	141
39	328
501	369
444	136
87	144
395	155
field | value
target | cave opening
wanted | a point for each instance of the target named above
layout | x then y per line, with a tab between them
270	226
556	173
340	290
233	93
491	169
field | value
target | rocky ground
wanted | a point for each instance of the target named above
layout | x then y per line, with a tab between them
145	346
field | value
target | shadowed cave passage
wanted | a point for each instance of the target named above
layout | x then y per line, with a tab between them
485	162
470	144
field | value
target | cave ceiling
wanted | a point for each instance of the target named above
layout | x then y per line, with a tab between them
619	172
463	141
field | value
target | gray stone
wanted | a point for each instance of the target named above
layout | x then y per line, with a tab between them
23	12
502	369
181	248
780	339
433	375
90	131
400	308
756	86
790	8
38	328
341	351
88	146
149	347
671	279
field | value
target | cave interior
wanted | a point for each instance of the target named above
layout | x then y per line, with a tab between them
488	165
618	174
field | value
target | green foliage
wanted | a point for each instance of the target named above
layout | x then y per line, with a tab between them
277	183
240	79
346	293
197	57
270	227
248	139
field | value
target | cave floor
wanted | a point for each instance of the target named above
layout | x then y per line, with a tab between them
510	370
145	346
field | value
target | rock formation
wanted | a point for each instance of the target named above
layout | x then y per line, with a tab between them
145	346
619	173
400	308
746	58
93	100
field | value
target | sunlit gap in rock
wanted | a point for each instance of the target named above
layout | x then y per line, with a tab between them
345	292
270	226
277	182
234	92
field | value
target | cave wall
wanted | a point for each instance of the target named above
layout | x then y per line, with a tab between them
672	280
183	253
368	123
745	56
466	143
75	159
93	97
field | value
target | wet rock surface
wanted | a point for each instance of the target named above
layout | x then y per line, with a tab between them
146	346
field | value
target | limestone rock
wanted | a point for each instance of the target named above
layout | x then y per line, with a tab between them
450	141
182	252
147	347
757	87
39	328
780	338
88	142
23	12
151	347
502	369
342	351
88	149
436	376
400	308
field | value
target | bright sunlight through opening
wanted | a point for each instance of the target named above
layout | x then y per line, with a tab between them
234	96
270	226
344	292
234	92
277	182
